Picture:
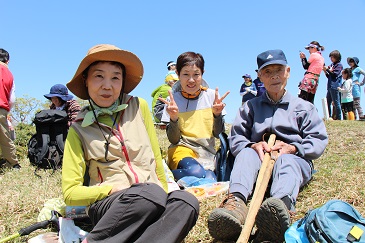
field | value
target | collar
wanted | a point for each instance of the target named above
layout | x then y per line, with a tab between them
195	95
279	101
96	111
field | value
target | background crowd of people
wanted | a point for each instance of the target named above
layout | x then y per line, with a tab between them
341	103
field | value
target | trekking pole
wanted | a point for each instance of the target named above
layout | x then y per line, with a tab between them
259	193
40	225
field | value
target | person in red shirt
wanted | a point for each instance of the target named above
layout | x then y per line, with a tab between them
7	98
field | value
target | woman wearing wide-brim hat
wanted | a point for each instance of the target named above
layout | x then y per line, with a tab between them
112	162
353	62
62	100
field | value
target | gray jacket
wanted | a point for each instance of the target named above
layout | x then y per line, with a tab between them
292	119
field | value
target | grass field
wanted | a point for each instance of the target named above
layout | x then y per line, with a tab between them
340	175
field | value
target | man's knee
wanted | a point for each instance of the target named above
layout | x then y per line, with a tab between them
246	154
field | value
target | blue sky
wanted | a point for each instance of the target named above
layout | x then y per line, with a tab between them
47	39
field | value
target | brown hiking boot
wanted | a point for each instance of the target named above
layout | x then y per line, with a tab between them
272	220
225	222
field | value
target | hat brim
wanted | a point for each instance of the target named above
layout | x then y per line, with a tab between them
63	97
352	58
280	62
133	66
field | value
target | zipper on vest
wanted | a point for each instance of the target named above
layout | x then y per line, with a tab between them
124	149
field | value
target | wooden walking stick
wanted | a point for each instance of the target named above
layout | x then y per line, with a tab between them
259	193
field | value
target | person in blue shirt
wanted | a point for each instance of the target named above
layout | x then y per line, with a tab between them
356	91
260	87
333	73
248	89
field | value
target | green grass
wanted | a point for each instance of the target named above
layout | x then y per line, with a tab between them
341	175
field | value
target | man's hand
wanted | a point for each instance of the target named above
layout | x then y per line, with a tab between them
261	148
283	148
280	146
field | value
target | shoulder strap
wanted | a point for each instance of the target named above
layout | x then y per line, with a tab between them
45	141
86	175
221	163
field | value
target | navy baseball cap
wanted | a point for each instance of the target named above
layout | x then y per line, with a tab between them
246	76
271	57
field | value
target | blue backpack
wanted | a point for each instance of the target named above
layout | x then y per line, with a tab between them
335	221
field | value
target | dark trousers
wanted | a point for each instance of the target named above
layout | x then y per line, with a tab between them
336	99
306	96
143	213
347	107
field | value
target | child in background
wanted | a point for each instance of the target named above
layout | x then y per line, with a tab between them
248	89
346	95
308	86
333	73
356	91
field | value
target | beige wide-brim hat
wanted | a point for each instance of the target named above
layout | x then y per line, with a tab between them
106	52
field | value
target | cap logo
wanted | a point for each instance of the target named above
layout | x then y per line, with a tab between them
269	56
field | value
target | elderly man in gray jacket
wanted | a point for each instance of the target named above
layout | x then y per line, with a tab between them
301	137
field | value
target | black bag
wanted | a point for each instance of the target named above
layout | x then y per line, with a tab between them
45	148
224	159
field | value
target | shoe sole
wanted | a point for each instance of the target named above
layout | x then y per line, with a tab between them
272	220
223	226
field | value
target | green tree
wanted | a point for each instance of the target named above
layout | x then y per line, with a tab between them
24	109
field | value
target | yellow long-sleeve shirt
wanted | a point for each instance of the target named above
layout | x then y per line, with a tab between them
74	167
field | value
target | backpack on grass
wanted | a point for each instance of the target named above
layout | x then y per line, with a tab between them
45	148
224	159
335	221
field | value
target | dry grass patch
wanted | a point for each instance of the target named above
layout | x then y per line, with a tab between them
340	174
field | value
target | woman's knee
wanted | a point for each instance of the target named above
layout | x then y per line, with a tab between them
185	198
192	167
146	191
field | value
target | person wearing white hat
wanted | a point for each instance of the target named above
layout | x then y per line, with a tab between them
313	66
112	162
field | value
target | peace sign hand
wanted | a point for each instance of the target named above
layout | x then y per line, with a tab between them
218	105
171	108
